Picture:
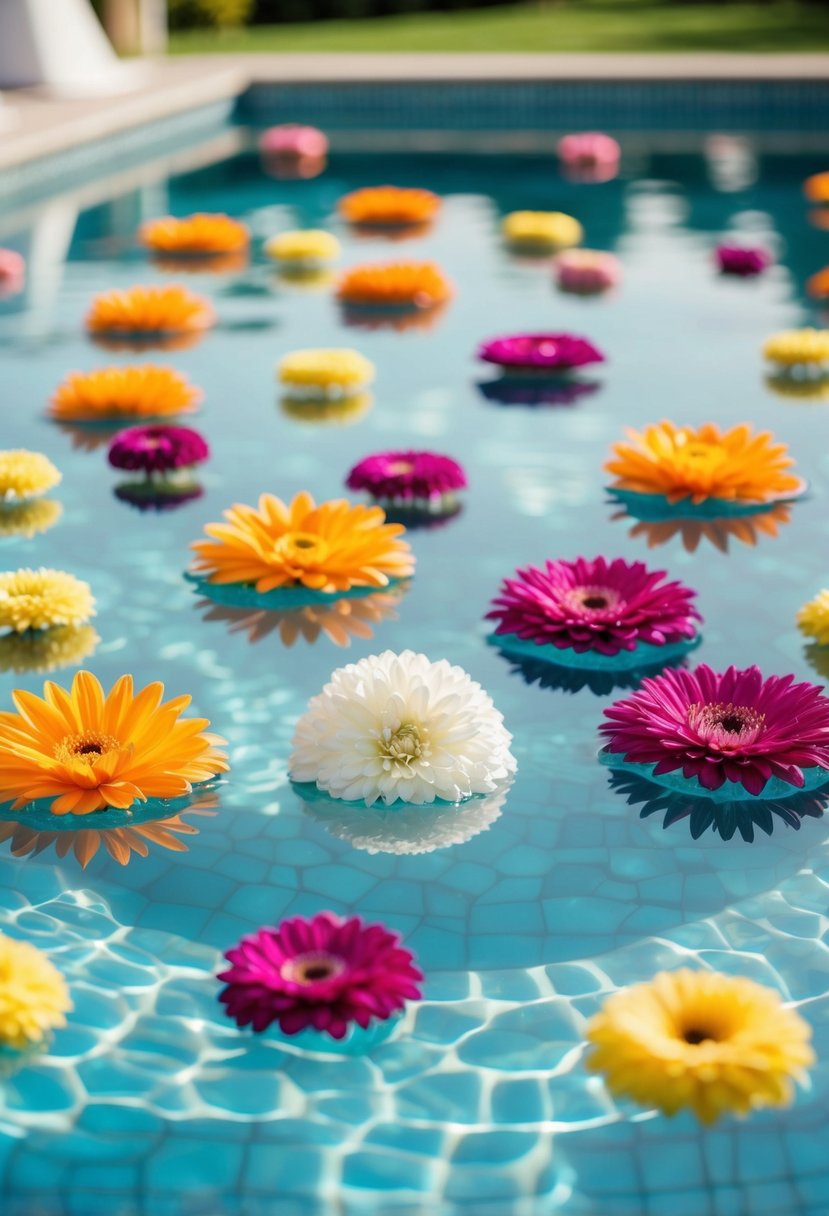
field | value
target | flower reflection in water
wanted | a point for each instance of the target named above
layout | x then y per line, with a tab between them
716	531
545	674
537	390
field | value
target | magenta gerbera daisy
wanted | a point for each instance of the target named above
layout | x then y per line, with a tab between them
157	449
742	260
595	605
540	352
733	726
324	973
408	478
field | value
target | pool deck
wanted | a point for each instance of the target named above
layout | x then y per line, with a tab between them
35	123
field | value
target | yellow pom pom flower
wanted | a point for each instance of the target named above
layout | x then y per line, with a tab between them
541	229
308	248
28	519
121	394
46	650
25	475
34	998
198	235
713	1043
313	375
798	348
38	599
813	618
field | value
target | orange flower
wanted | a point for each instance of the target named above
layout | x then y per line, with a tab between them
395	285
340	620
681	462
198	235
747	529
87	751
124	393
816	188
149	312
331	547
818	285
389	206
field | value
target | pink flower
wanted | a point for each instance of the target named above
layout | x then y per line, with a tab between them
542	352
293	139
407	477
733	726
589	156
739	260
157	449
12	272
595	605
324	972
587	271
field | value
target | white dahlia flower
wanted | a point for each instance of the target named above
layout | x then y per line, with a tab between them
399	727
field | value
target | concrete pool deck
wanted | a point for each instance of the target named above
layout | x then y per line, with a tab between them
37	124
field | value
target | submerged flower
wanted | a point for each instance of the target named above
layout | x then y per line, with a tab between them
681	462
817	285
45	650
324	374
716	1044
813	618
587	271
157	449
807	348
540	352
389	206
199	235
741	260
28	519
595	605
541	229
149	312
419	285
408	477
325	973
87	751
816	188
144	391
39	599
33	995
733	726
25	475
400	727
307	248
331	547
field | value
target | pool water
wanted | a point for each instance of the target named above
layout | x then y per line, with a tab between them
525	910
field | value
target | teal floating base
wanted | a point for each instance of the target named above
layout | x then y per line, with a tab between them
281	599
656	506
644	655
731	791
38	815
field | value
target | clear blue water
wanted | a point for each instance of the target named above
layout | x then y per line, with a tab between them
524	914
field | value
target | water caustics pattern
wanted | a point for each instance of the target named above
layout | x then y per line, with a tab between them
536	903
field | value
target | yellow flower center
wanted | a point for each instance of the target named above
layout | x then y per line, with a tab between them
301	548
87	746
403	745
312	968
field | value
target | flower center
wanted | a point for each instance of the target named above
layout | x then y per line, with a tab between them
312	968
88	746
301	548
590	601
403	745
694	1035
401	467
728	727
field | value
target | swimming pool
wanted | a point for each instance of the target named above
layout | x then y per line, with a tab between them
150	1101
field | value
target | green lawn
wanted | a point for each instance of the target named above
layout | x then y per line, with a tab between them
569	25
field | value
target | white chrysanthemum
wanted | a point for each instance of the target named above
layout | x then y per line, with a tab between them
400	727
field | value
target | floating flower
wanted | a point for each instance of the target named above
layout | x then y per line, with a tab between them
400	727
158	493
734	727
741	260
157	449
813	618
420	285
45	650
307	248
681	462
716	1044
39	599
541	229
199	235
87	751
343	411
293	139
590	155
33	995
595	606
28	519
122	393
327	375
817	286
25	475
547	352
149	313
331	547
587	271
389	206
409	478
747	529
325	973
12	272
340	620
816	188
806	348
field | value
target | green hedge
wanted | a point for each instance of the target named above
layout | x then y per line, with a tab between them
192	14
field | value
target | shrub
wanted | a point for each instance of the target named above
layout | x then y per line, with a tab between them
190	14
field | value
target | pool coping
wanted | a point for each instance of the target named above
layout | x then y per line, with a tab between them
37	124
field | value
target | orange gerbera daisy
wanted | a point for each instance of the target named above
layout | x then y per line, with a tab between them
389	206
395	285
124	393
331	547
680	462
816	188
149	313
818	285
199	235
88	751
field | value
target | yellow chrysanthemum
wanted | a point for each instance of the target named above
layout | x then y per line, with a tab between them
149	311
714	1043
88	751
331	547
798	347
25	475
28	519
542	229
389	206
147	390
310	375
308	247
342	412
682	462
199	235
38	599
34	998
813	618
46	650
